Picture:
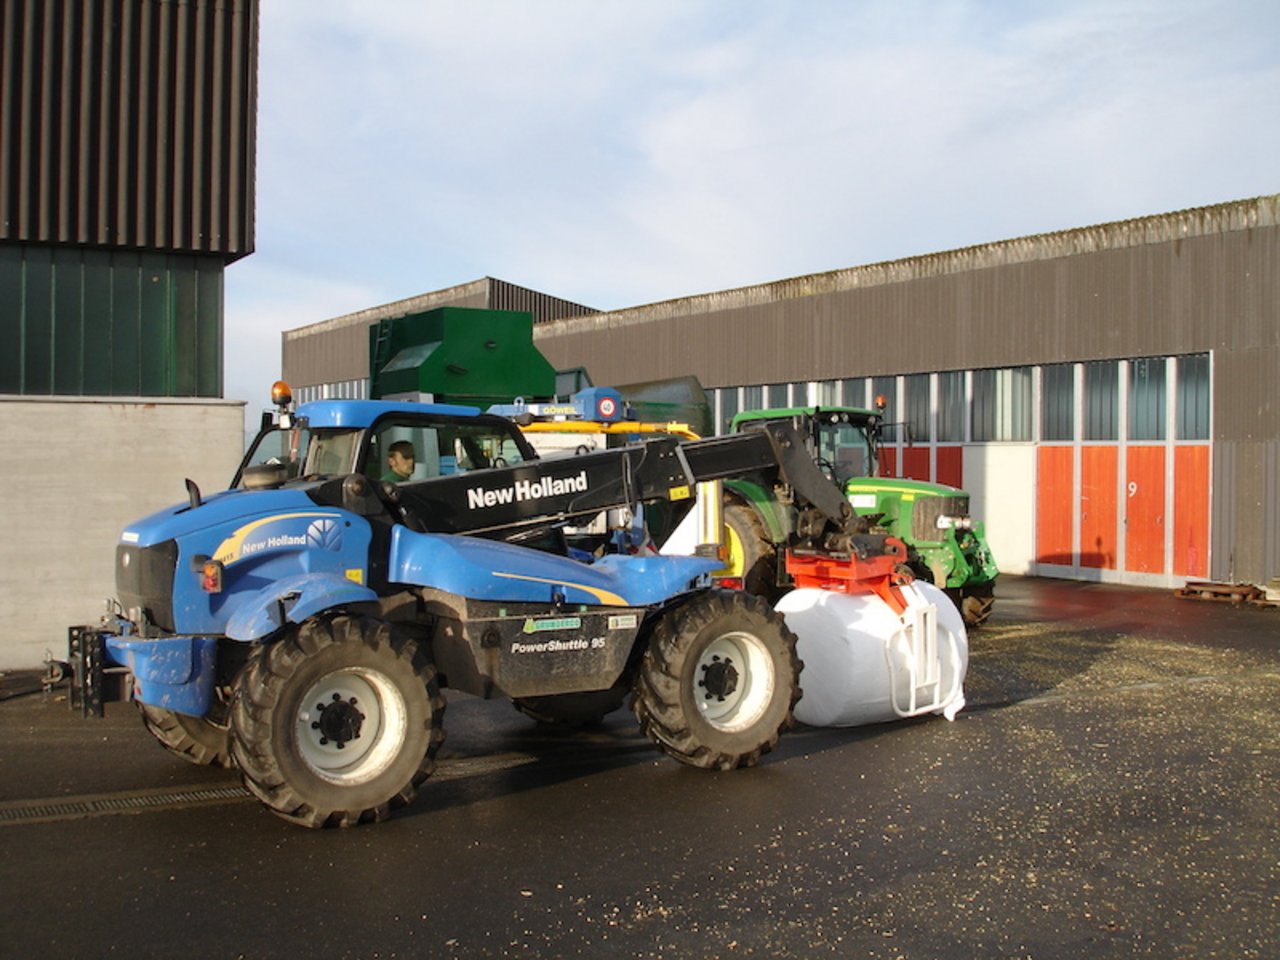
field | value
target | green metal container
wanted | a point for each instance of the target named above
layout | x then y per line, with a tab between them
459	355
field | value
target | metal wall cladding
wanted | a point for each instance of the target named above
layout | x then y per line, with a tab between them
84	322
1176	283
1246	511
1195	281
543	307
129	123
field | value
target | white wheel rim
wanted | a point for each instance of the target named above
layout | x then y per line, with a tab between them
351	725
733	681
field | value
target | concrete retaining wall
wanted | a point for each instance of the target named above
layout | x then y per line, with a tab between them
75	471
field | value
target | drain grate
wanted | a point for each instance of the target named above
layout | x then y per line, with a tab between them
74	808
51	809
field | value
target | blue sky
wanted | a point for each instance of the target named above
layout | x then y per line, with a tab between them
619	152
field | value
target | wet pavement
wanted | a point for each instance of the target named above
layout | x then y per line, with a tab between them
1112	789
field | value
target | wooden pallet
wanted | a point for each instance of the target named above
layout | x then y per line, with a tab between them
1221	592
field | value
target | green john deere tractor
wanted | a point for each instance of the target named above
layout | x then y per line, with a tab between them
945	545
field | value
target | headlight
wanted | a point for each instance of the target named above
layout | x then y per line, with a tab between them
954	523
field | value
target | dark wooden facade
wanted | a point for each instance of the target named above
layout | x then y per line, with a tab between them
129	123
127	145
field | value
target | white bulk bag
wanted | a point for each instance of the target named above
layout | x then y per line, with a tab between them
863	663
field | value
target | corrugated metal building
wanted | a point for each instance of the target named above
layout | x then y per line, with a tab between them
1107	394
126	186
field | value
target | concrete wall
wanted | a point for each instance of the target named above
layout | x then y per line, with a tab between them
75	471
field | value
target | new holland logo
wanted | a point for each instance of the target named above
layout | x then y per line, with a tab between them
325	535
324	531
523	490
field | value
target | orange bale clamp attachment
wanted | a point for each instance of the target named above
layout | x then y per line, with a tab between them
881	574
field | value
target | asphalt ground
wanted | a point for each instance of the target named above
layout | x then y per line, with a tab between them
1112	789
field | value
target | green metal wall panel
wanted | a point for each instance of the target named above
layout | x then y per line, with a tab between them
209	335
10	302
97	335
82	322
126	310
37	323
154	328
183	315
66	309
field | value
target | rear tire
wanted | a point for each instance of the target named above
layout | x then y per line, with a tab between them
338	722
752	555
204	741
718	681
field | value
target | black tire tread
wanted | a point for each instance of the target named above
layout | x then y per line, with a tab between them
195	739
976	610
657	701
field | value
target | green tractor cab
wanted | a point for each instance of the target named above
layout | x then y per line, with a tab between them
945	545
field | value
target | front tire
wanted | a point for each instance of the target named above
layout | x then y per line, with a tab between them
976	604
337	722
718	681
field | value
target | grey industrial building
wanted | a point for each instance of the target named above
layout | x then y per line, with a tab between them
1108	394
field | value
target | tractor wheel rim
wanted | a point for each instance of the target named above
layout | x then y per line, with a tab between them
350	726
733	681
735	554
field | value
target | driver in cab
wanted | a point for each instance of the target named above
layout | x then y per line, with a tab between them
400	462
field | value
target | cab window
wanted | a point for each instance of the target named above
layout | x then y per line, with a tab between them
279	446
406	450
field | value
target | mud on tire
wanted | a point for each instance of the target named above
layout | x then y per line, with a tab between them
204	741
718	681
337	722
751	553
974	603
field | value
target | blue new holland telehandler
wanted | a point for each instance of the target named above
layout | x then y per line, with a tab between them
301	624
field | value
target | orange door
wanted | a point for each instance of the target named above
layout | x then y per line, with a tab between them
1098	507
1053	505
1144	510
1191	511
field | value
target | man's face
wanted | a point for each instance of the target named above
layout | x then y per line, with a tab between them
401	464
